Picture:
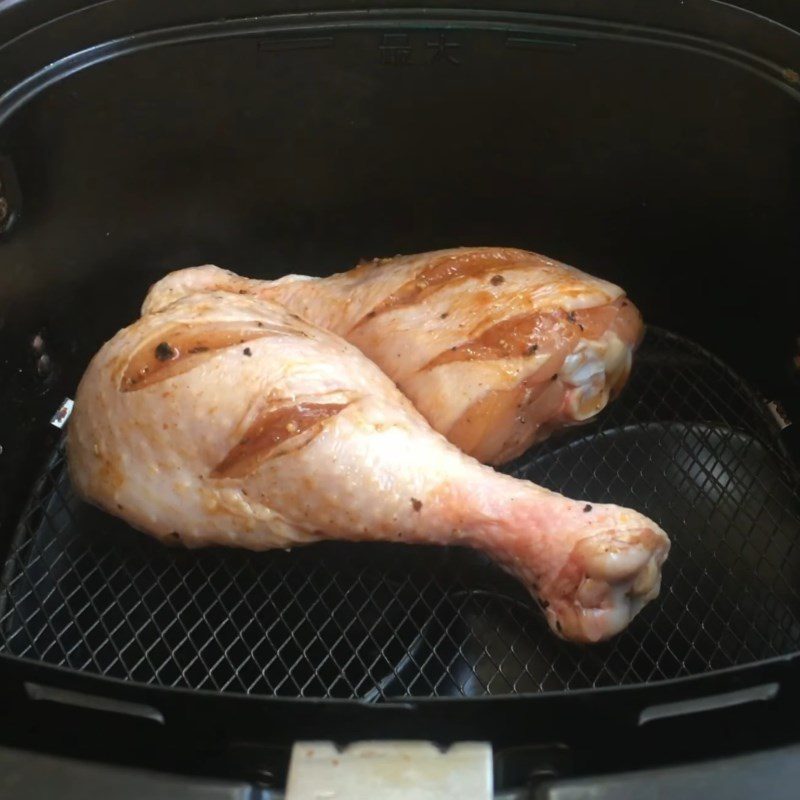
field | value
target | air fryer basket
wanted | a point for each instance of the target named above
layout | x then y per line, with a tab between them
655	147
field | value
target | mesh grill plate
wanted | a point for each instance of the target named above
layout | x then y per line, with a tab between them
687	444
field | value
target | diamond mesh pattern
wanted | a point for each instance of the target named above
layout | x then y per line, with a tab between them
687	443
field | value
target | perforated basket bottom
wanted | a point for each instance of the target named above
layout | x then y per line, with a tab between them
687	444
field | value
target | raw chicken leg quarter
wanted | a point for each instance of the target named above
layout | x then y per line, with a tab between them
228	420
496	347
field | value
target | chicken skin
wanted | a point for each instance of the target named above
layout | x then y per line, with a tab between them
496	347
228	420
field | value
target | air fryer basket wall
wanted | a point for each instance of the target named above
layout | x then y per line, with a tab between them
660	154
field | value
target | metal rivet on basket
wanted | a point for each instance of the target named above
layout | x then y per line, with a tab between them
59	419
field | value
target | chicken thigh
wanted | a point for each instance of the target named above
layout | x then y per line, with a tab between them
496	347
228	420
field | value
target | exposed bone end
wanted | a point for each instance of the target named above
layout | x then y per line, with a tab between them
608	579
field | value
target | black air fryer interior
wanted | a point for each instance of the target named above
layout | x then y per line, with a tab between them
664	161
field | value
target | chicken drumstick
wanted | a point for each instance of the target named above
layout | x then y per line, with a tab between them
228	420
496	347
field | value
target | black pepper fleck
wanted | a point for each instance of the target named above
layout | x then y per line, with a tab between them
165	351
532	349
416	504
554	377
587	508
571	316
443	315
497	280
247	351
